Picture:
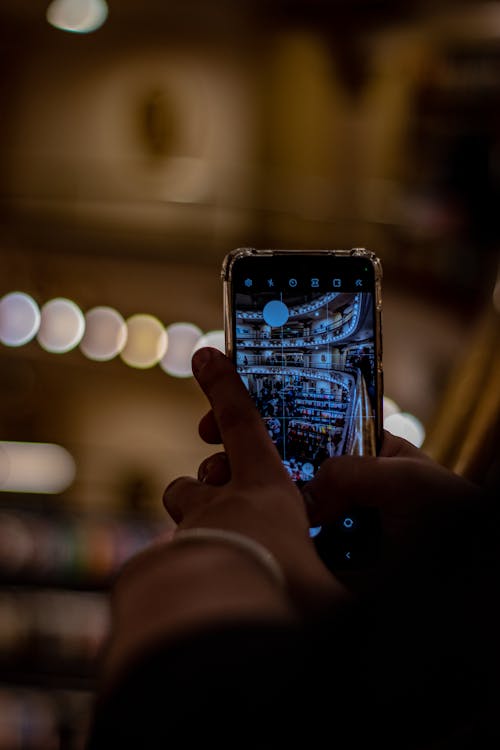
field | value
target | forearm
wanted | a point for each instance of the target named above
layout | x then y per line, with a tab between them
169	592
223	687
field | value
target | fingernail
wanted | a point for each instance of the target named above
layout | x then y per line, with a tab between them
211	463
201	358
204	470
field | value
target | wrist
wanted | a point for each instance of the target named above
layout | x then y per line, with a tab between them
246	545
175	588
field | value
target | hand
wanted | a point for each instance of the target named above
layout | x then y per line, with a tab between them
425	509
249	491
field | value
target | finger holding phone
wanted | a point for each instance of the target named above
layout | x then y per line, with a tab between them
304	331
257	497
241	550
424	512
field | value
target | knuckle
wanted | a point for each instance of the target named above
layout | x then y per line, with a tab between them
174	496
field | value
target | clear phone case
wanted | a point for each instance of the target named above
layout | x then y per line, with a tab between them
234	256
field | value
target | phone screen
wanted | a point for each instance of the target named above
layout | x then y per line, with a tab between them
305	345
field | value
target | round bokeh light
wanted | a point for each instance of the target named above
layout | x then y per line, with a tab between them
390	407
105	334
62	326
147	341
19	319
214	339
182	338
406	426
77	16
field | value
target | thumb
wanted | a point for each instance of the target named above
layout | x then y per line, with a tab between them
347	482
184	495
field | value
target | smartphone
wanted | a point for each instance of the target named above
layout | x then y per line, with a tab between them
304	329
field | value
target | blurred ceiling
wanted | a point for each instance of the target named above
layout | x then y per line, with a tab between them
339	18
177	128
366	11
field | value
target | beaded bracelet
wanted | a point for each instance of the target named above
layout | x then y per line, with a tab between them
240	541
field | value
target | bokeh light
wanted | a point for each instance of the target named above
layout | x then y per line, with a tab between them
182	338
62	326
147	341
19	319
105	334
406	426
77	16
35	467
215	339
390	408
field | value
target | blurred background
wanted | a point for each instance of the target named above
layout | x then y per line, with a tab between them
140	141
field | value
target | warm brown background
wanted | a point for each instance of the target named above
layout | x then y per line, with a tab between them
134	158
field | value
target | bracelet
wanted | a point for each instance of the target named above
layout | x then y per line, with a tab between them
240	541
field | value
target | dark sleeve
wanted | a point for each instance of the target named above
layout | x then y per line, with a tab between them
415	669
232	687
401	682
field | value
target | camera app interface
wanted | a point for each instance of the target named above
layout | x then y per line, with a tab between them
305	349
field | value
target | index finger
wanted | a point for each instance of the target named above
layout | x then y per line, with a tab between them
249	448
